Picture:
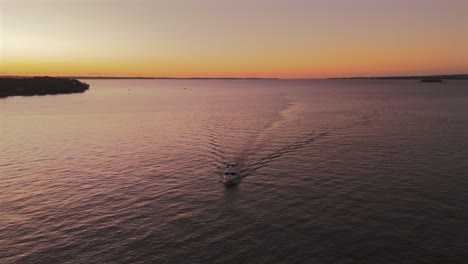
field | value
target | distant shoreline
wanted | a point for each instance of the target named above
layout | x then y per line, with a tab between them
413	77
422	77
169	78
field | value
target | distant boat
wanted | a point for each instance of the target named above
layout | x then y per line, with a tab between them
431	80
231	175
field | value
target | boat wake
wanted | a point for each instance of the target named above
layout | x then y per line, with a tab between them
259	142
227	144
250	167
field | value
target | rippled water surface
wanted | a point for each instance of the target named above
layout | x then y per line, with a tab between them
334	171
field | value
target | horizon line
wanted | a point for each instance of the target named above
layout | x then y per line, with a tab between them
459	75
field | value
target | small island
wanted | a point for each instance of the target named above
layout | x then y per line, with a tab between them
23	86
431	80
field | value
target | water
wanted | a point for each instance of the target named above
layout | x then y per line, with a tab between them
334	171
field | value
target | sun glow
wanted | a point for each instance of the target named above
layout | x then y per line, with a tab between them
296	39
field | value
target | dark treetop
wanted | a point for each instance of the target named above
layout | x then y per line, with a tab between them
11	86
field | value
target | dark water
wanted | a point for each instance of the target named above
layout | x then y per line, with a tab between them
334	172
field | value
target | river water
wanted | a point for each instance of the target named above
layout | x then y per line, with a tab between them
334	171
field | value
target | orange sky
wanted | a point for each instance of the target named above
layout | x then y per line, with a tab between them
201	38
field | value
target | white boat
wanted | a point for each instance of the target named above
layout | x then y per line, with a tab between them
231	175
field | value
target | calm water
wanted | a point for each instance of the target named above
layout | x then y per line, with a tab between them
335	171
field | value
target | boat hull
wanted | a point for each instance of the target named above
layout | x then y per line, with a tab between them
230	182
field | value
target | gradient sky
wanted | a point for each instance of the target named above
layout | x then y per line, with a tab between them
216	38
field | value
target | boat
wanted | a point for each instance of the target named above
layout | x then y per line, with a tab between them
231	175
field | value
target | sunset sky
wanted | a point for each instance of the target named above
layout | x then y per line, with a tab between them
242	38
